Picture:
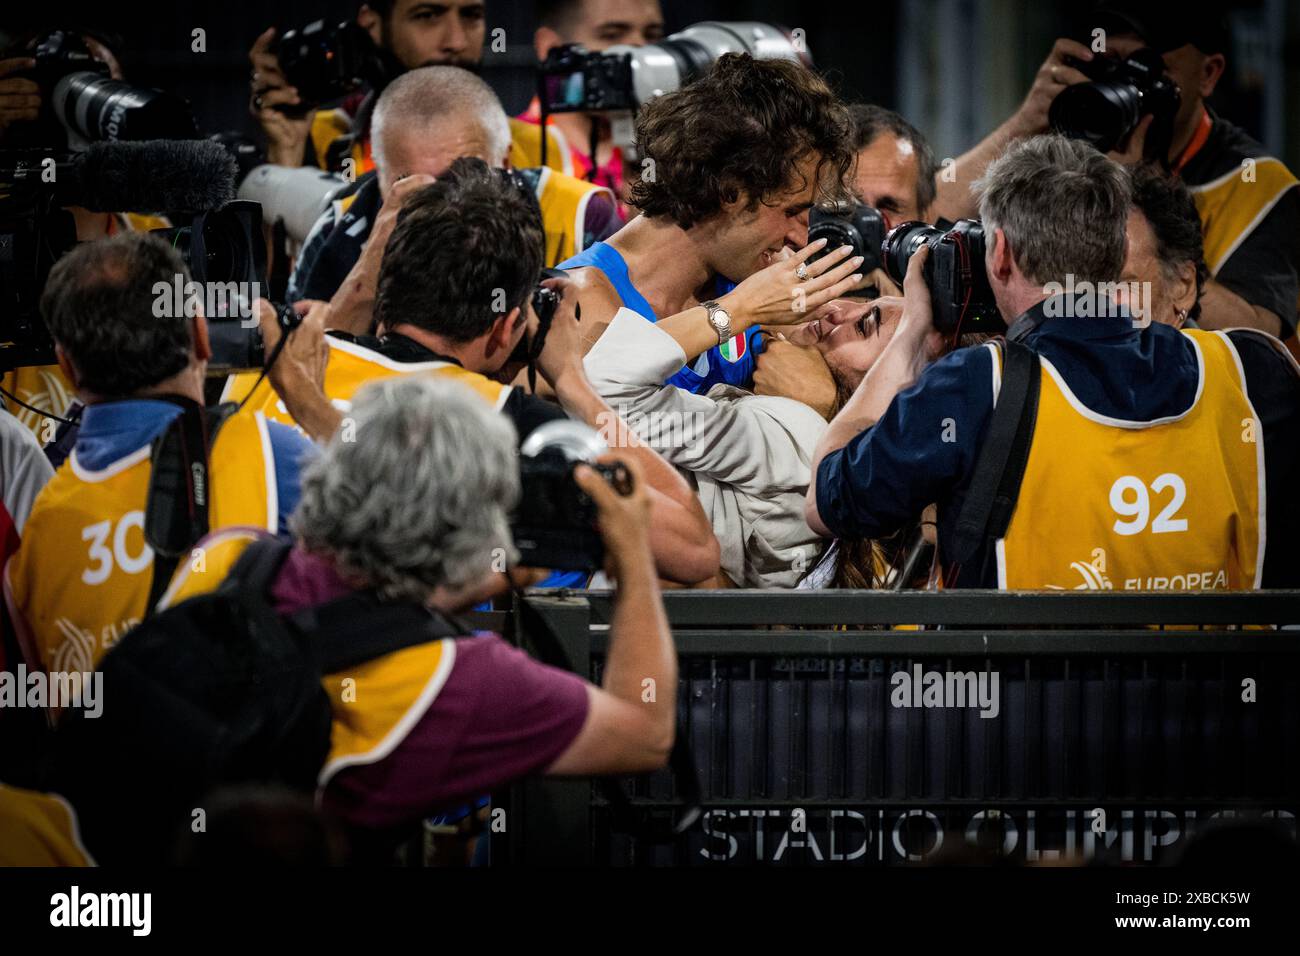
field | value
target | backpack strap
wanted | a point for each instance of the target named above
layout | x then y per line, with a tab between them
176	509
361	627
1000	465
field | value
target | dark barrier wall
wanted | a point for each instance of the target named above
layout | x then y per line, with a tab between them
1031	725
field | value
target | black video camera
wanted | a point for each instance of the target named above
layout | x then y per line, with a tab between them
555	522
850	224
960	294
1105	111
325	62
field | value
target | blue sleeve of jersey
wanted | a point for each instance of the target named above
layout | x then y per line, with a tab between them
711	368
291	451
920	452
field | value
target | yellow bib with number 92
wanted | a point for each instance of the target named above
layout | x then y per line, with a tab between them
1171	504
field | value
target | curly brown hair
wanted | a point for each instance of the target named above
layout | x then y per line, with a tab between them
742	129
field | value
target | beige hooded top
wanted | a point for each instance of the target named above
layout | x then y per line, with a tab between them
749	456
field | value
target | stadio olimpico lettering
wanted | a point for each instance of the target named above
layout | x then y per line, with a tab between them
882	836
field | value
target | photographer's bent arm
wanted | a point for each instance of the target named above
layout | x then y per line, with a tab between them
631	717
913	345
953	197
681	538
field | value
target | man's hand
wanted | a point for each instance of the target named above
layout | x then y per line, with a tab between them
1053	76
777	295
561	358
622	520
286	136
20	98
298	374
353	305
1135	145
786	369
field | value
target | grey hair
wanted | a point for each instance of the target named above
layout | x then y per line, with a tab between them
423	97
1062	206
413	491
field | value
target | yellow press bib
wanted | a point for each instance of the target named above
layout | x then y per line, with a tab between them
81	579
39	829
351	366
375	704
1171	504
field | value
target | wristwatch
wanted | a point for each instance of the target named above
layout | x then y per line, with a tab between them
720	319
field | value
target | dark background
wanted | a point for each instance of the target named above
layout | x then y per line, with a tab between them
956	68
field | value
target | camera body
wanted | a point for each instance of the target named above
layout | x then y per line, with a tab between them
1105	111
326	62
237	347
850	224
960	294
554	523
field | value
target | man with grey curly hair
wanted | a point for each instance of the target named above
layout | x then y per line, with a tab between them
408	503
439	531
1140	471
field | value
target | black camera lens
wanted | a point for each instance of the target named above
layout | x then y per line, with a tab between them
848	224
325	62
1105	111
1100	114
99	108
222	246
902	242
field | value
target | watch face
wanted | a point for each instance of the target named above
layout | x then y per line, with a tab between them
720	319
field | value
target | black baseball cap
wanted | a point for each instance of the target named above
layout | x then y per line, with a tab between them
1164	25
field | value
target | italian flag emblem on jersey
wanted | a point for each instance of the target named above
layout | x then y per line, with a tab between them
733	350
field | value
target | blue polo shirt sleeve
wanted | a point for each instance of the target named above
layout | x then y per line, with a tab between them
921	452
291	451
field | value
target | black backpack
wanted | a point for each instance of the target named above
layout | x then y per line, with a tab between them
215	691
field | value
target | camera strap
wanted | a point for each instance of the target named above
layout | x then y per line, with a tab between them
1000	465
176	509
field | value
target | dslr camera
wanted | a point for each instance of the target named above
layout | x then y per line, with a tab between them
960	295
1105	111
622	78
554	524
850	224
326	62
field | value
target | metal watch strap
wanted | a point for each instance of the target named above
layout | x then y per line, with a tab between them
712	307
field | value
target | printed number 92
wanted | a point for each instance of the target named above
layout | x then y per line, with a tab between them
1130	500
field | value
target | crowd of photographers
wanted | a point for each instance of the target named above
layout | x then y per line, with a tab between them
755	345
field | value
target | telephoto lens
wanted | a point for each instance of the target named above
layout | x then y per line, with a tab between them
97	107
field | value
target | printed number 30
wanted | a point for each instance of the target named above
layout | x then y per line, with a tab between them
98	535
1137	505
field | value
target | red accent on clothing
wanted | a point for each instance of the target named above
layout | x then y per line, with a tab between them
1198	140
610	174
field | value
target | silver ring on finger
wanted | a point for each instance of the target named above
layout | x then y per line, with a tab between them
801	270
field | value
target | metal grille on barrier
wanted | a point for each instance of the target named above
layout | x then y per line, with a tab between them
1026	725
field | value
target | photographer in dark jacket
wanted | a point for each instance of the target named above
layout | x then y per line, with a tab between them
1140	472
